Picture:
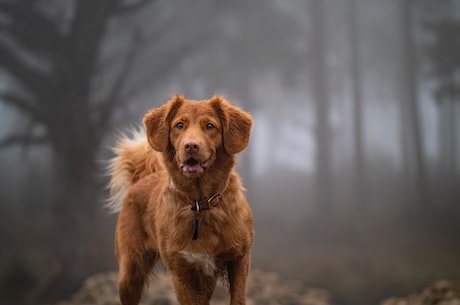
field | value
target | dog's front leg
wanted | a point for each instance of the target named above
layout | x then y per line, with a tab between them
193	285
131	282
237	276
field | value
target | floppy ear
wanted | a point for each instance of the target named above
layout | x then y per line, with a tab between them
236	125
157	120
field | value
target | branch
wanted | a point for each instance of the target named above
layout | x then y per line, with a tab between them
22	104
105	108
126	8
86	36
19	68
163	68
32	28
23	139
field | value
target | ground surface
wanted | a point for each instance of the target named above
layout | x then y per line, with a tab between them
264	288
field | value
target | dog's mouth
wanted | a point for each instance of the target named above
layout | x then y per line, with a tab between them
193	166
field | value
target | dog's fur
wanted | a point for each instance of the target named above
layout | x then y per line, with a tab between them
186	155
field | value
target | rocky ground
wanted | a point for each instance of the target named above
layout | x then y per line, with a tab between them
263	288
438	293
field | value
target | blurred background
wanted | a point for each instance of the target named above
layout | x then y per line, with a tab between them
353	166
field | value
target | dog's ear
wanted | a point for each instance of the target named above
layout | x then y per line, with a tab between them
236	125
157	120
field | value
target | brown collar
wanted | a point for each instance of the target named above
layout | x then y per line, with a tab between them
199	205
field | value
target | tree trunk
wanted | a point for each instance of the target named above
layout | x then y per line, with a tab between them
324	186
360	172
448	145
76	204
412	144
75	135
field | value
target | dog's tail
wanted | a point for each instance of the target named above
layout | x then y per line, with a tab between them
134	159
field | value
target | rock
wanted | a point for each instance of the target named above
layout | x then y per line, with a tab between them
438	293
263	288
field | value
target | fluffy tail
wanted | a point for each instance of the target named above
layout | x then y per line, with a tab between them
134	160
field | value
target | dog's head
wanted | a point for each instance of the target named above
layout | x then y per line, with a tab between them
196	134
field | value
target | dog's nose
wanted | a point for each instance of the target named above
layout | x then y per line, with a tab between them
191	146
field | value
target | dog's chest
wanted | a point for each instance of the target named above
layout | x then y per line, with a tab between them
201	261
206	227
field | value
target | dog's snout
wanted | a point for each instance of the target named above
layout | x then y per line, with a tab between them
191	146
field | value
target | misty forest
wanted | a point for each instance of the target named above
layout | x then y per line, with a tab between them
353	167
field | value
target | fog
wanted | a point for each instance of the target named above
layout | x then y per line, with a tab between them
352	170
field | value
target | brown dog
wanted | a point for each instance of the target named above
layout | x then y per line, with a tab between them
182	202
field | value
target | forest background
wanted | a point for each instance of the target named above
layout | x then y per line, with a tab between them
353	167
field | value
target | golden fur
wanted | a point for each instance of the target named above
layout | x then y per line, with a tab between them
186	156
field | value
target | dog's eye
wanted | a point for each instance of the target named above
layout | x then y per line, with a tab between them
210	126
179	125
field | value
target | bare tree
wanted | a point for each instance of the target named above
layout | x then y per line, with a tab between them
52	64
